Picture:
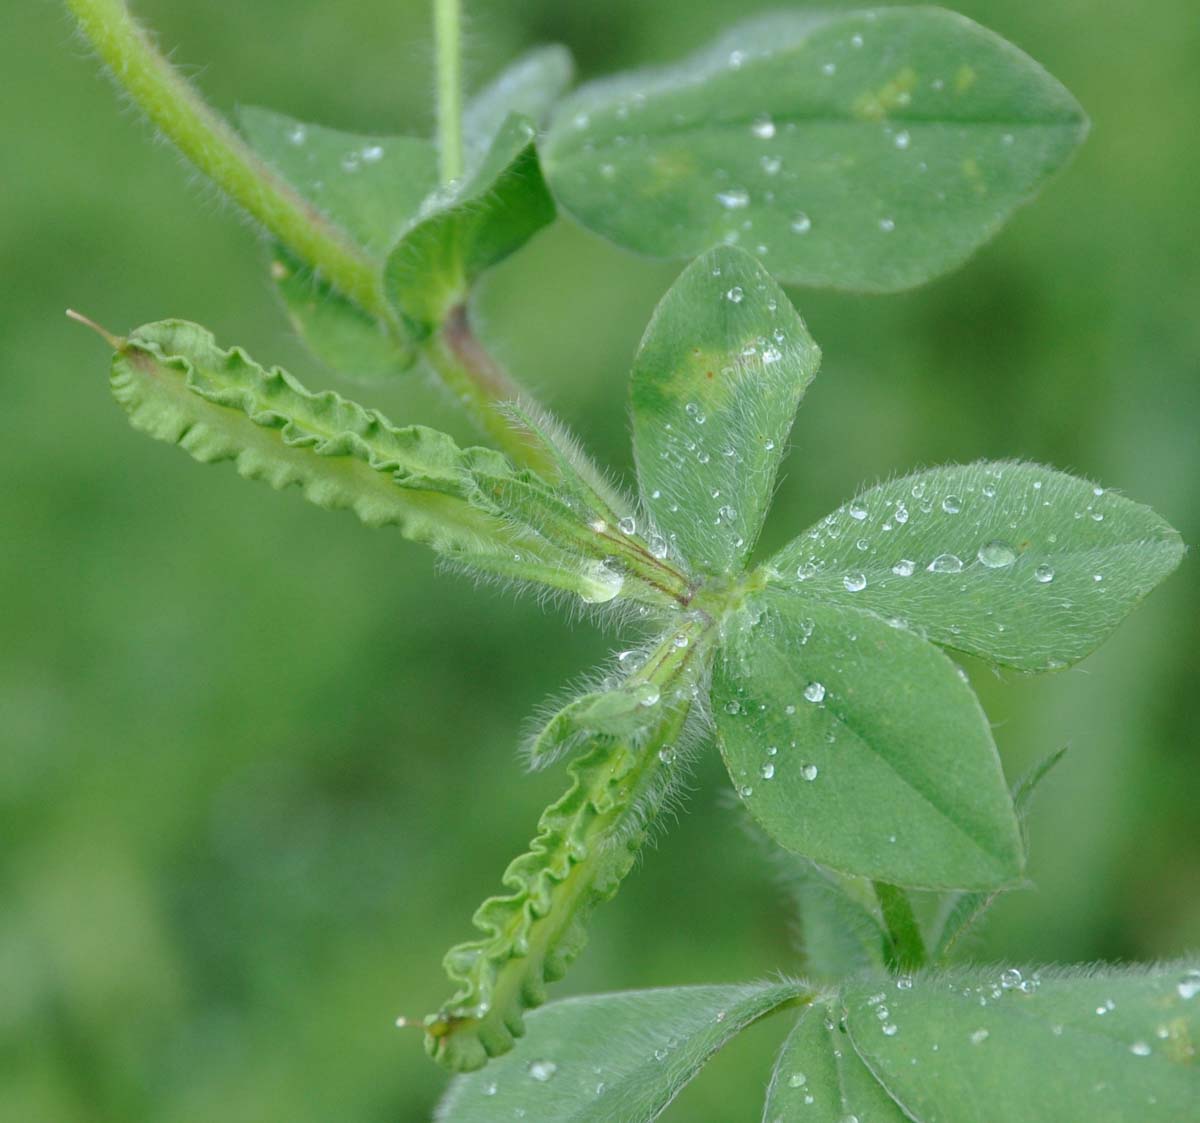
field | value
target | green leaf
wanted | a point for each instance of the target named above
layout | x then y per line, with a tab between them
861	746
373	187
1108	1046
962	911
866	150
838	921
529	86
469	228
613	1056
178	386
715	385
624	712
1015	563
818	1078
336	330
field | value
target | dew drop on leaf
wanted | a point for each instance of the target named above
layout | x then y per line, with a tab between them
733	199
814	692
904	568
801	224
946	563
1140	1049
797	1080
735	295
854	582
542	1071
997	555
627	525
809	772
952	504
763	128
1044	574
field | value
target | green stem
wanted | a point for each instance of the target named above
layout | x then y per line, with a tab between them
447	25
479	383
216	149
906	950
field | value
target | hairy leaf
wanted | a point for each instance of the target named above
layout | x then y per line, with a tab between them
1012	562
715	385
529	86
861	746
469	228
624	712
373	187
818	1077
992	1046
864	150
178	386
838	920
614	1056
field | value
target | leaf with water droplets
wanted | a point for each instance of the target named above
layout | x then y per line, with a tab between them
530	85
866	150
1013	1046
370	186
818	1078
624	712
890	773
468	227
1012	562
581	1062
715	385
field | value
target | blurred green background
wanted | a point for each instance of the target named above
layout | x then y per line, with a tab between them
257	763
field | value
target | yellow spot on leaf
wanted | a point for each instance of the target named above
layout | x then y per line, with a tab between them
964	79
875	105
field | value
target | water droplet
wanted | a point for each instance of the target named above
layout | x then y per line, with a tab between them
887	225
658	547
904	568
733	199
1044	574
829	69
667	754
542	1071
797	1080
856	40
763	128
801	224
890	1029
902	139
854	582
814	692
627	525
1189	986
806	571
1140	1049
603	584
746	791
680	641
768	771
733	707
771	355
735	295
297	134
945	563
979	1036
770	164
809	772
372	154
491	1088
1010	978
857	510
997	555
901	514
694	411
952	504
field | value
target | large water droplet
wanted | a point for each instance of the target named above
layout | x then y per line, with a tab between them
997	555
602	584
814	692
952	504
809	772
855	582
768	771
945	563
797	1080
1044	574
857	510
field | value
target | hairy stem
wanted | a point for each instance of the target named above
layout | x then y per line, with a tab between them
586	843
447	29
906	950
176	108
479	384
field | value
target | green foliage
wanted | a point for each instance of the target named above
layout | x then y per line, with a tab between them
859	745
583	1062
864	150
715	386
869	150
1015	563
468	229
